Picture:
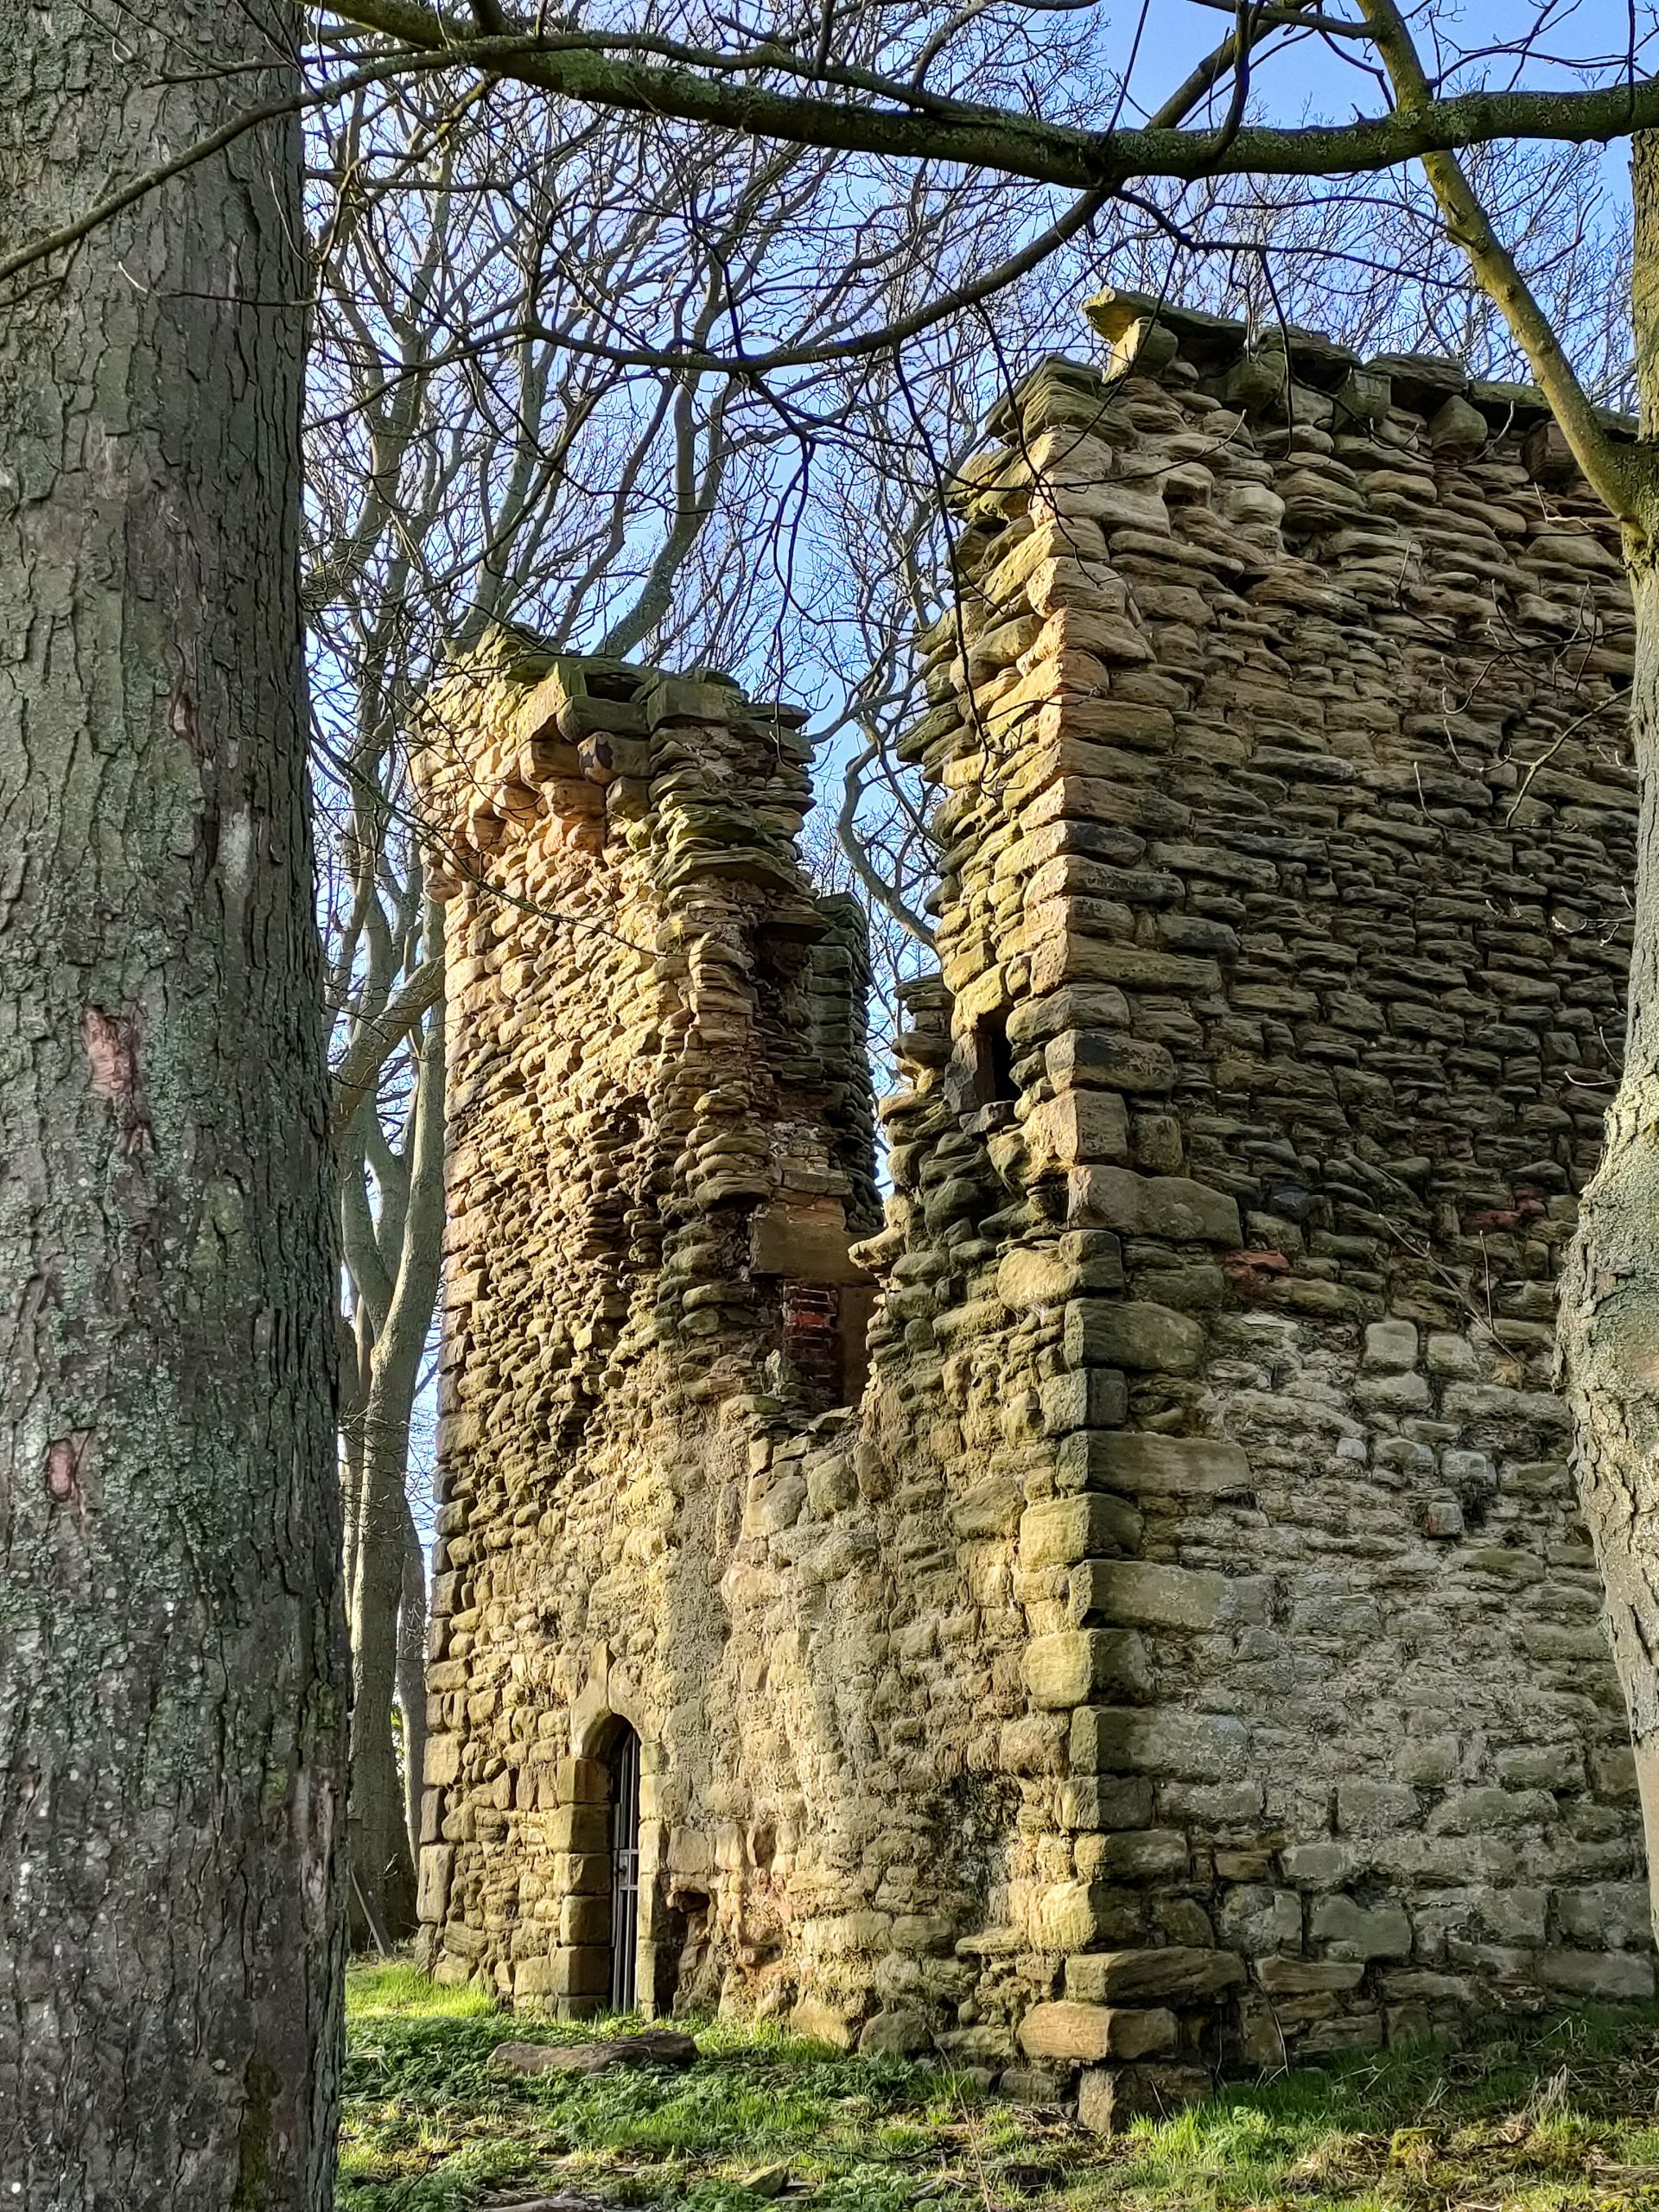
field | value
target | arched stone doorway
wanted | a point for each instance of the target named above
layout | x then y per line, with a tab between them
619	1752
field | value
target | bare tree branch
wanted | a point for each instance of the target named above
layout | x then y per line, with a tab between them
356	1074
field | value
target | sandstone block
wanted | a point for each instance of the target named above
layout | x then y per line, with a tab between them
432	1898
1135	1855
1061	1531
1282	1977
581	1781
1177	1974
1093	1398
1074	1665
1519	1914
1058	961
681	699
1146	1465
585	1872
1107	1059
1154	1206
1541	1766
1487	1402
1356	1931
1372	1807
1110	2097
1070	2032
831	1485
1135	1334
1612	1774
1073	1007
1083	496
1458	428
582	1829
1427	1759
1616	1977
1453	1357
570	1971
1071	1915
1215	1804
1391	1346
806	1245
1393	1394
989	1507
1033	2085
899	2033
1075	1268
1143	1595
1619	1913
1077	1127
1198	1746
774	1509
1362	395
442	1760
1481	1810
1034	1744
1106	1800
585	1920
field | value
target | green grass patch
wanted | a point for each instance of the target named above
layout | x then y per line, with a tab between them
1556	2118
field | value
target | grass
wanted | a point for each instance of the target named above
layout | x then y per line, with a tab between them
1557	2117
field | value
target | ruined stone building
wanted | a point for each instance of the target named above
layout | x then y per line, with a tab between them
1120	1611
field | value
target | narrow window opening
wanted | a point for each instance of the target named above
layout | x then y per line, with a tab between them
993	1062
812	1339
624	1763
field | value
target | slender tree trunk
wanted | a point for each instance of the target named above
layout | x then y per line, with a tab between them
381	1864
1610	1290
411	1675
382	1860
170	1653
356	1366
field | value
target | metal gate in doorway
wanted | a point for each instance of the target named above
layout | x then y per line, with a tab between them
624	1870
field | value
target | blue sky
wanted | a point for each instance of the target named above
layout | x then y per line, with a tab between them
1308	75
1305	80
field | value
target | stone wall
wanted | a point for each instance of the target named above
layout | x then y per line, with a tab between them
1187	1651
655	1504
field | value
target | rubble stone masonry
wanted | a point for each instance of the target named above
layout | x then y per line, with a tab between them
1181	1650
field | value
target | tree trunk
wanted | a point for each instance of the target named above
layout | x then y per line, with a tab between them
411	1675
356	1366
381	1864
170	1646
382	1860
1608	1328
1609	1289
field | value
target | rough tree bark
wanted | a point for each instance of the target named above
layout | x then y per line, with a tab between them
171	1662
1610	1290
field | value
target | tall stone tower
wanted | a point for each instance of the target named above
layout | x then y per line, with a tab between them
1181	1650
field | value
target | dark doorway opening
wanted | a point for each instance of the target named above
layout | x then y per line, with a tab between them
623	1761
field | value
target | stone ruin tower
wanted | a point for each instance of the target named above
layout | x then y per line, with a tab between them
1179	1650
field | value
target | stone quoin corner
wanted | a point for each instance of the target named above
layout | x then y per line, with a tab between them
1125	1608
